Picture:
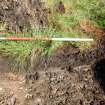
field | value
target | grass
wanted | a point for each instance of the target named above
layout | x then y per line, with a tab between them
20	51
66	25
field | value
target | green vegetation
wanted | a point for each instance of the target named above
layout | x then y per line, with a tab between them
65	25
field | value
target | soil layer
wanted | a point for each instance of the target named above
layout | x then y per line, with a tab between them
70	77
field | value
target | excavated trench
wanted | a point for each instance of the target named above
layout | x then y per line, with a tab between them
72	77
69	77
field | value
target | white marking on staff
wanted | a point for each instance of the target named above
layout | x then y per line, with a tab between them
2	38
73	39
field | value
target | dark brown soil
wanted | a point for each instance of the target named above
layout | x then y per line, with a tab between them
52	87
71	56
60	87
21	15
70	77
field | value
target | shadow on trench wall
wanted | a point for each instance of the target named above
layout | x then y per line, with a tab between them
99	72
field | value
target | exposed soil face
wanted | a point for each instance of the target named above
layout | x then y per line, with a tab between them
95	32
11	90
71	56
60	87
71	78
23	14
3	64
52	87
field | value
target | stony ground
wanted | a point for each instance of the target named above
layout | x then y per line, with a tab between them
53	86
71	78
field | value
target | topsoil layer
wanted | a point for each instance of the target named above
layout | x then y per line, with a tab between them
70	56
